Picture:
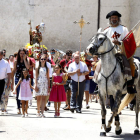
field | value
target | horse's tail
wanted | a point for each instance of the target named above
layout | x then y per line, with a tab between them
138	84
126	100
129	97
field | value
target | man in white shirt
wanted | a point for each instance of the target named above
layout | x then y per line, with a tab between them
75	70
5	72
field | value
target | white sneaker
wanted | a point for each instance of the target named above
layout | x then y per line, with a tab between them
87	107
23	116
2	112
38	115
6	112
26	115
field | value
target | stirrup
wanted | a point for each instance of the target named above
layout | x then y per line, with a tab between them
131	89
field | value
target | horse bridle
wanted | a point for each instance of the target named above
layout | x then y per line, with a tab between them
97	45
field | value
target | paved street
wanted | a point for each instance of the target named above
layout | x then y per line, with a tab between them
85	126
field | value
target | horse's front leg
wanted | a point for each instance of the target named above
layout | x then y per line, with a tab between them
116	105
103	113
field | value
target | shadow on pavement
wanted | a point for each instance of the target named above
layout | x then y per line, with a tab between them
19	115
126	136
11	106
128	114
50	117
9	115
2	131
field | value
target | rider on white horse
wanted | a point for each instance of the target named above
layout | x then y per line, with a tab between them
111	78
117	32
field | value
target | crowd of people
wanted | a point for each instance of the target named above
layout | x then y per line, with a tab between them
59	78
48	79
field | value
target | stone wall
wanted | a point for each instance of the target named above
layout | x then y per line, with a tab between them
58	15
135	17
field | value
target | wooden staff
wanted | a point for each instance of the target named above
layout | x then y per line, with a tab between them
81	24
30	33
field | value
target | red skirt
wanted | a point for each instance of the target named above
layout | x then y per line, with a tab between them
58	94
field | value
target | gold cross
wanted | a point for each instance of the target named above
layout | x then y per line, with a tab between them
81	22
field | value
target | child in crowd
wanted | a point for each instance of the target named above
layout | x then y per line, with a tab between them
58	94
25	93
93	85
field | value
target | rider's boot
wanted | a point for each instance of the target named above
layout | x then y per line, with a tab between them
131	88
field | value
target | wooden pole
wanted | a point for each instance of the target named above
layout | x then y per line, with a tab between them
81	24
99	7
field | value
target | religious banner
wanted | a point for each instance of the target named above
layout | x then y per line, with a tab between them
132	41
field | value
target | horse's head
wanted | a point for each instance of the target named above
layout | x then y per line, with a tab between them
97	41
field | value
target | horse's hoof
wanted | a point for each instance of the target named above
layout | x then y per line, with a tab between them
136	132
102	134
108	129
118	132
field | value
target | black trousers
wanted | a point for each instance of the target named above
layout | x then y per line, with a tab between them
77	102
2	85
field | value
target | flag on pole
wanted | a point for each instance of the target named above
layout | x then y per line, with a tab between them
132	41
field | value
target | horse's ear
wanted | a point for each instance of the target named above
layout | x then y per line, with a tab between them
105	32
99	30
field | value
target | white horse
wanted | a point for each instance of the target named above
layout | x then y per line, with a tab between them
111	81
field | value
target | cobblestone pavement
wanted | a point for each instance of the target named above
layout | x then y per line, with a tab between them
85	126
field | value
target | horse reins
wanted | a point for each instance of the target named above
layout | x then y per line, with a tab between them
106	52
106	78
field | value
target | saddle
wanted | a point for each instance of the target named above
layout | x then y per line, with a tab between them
126	70
124	64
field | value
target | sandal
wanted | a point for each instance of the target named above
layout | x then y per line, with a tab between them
46	109
19	112
67	108
58	113
38	115
55	115
43	116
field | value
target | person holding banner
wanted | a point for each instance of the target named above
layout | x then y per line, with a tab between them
77	69
125	45
117	33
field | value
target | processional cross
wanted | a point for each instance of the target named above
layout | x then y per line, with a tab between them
81	24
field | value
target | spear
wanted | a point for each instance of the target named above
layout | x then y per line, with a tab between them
81	24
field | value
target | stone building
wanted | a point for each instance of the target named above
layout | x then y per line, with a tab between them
59	15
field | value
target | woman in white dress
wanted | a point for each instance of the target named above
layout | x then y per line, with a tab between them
42	83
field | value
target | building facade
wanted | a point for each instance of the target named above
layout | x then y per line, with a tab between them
58	16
